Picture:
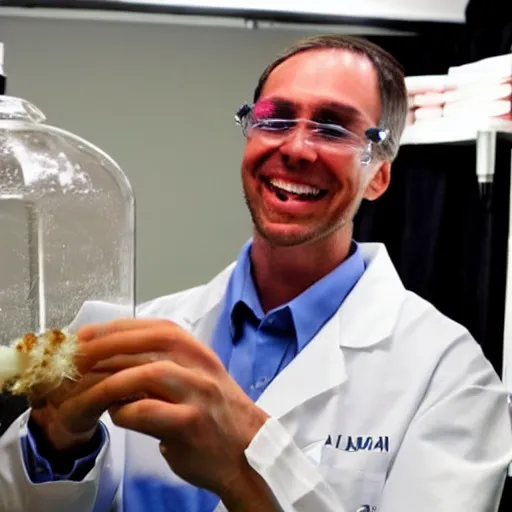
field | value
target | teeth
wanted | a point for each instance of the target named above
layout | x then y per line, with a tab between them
294	188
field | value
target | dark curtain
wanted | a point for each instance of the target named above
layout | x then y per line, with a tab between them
447	244
10	408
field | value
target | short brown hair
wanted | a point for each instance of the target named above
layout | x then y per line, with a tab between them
393	92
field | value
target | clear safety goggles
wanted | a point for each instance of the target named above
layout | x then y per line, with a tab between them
329	137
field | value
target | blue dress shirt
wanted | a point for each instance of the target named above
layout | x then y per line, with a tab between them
254	346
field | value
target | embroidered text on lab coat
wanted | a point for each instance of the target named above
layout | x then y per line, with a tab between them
359	443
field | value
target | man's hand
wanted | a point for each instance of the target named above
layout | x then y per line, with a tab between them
64	415
65	425
203	419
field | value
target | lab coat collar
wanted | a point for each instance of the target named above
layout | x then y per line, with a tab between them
207	298
366	317
370	311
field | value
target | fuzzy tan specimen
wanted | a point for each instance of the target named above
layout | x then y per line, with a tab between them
39	362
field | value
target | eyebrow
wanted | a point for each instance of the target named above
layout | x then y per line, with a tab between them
346	112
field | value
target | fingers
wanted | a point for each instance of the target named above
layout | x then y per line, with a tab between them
87	381
91	331
67	390
63	406
168	340
124	361
154	418
162	380
129	399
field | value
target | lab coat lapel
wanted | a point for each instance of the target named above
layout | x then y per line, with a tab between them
318	368
201	314
204	328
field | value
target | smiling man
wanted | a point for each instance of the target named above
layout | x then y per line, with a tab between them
304	377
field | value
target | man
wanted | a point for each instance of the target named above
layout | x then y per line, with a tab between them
302	378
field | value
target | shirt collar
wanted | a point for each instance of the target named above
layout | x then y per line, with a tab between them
241	297
309	311
312	308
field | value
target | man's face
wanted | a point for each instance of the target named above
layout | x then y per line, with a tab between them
333	86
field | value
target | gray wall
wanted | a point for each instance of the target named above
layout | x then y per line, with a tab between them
160	99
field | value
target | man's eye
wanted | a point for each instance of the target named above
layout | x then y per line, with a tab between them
331	131
274	124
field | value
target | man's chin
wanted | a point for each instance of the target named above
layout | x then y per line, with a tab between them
281	235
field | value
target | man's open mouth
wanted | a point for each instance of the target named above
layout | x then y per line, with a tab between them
285	190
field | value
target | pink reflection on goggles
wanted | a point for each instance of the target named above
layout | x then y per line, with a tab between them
263	109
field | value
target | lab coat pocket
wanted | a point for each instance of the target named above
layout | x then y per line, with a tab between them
357	477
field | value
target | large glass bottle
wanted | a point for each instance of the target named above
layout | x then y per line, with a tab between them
66	226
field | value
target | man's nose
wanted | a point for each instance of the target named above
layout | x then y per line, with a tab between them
297	150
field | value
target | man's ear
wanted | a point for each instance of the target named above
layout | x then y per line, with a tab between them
379	182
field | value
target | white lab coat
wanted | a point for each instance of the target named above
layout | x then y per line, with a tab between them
388	374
